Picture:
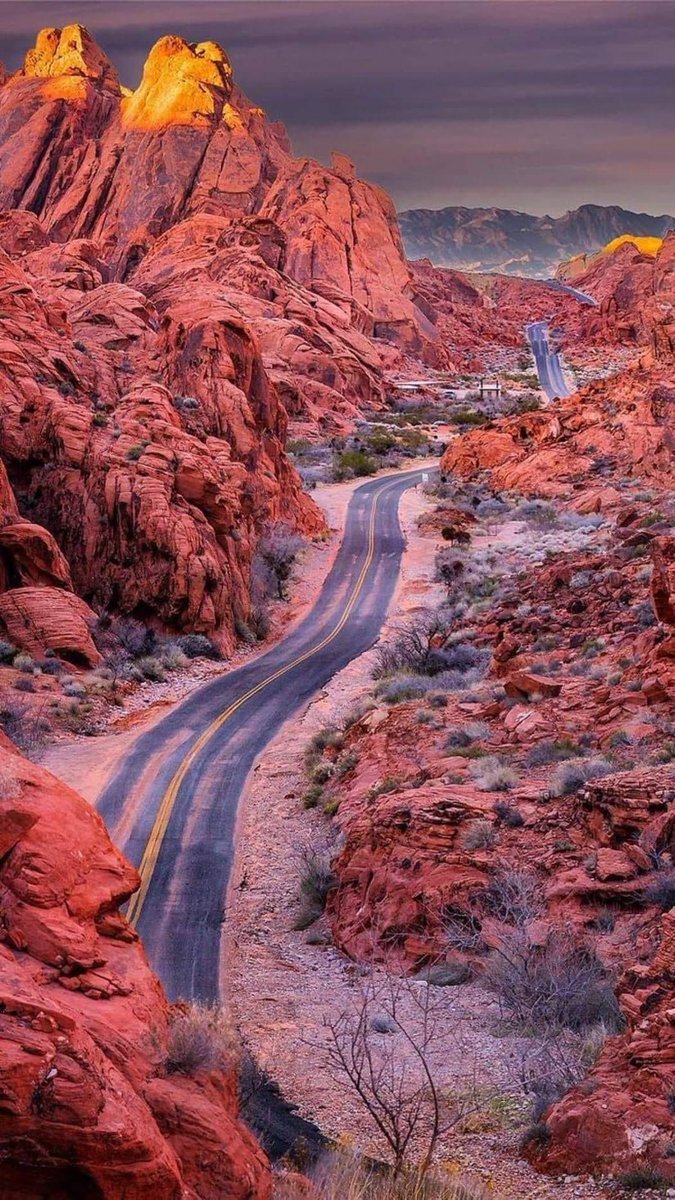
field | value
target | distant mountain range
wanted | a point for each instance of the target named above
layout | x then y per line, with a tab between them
516	243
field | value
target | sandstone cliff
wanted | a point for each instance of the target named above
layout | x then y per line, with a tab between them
89	1106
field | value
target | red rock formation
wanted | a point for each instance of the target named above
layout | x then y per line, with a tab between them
87	1107
169	501
552	452
224	158
636	299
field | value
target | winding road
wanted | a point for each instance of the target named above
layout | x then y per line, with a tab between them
548	362
172	805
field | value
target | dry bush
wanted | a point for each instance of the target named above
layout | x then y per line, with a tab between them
201	1037
560	984
316	881
572	775
514	896
395	1076
26	727
492	774
414	648
275	555
344	1176
478	835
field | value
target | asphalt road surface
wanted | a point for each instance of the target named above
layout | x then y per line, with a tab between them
548	363
172	804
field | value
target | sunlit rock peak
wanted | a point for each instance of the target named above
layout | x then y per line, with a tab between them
182	84
69	52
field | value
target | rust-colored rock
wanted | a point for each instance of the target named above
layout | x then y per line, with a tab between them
87	1107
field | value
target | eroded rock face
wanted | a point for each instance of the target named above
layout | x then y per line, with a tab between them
169	497
88	1108
635	292
187	141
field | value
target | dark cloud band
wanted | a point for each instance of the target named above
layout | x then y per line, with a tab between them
520	103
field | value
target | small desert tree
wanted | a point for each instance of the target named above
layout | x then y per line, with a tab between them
276	553
387	1048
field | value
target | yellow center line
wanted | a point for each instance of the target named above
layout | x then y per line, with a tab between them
154	843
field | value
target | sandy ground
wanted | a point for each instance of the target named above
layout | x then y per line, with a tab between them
283	986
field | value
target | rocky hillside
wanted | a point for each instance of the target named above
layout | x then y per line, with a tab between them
176	287
106	1091
505	799
164	314
633	285
497	239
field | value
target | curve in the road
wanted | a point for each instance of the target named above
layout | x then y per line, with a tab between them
547	361
173	802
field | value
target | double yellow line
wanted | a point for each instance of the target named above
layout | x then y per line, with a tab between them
159	828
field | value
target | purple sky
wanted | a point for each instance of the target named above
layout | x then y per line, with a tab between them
533	104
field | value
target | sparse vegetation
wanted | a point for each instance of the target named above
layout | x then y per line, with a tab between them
316	881
343	1176
492	774
200	1037
569	777
478	835
560	984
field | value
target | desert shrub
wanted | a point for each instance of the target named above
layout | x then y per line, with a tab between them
275	555
424	717
346	762
200	1037
26	729
133	636
197	645
172	656
135	452
316	881
560	984
344	1176
52	666
414	648
352	463
185	403
508	814
581	579
397	688
390	783
572	775
24	685
24	662
73	687
478	835
465	735
643	1178
462	930
326	738
151	668
7	652
644	614
606	920
538	513
322	772
513	896
661	891
312	796
492	774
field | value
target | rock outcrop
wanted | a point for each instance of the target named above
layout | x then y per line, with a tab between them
120	471
88	1106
